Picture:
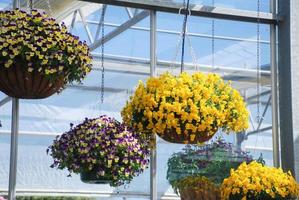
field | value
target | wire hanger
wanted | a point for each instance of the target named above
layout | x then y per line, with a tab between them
181	40
186	7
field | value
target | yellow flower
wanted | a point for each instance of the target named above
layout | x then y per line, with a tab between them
258	179
186	104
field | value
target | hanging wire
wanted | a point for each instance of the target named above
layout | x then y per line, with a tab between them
187	11
192	52
176	52
102	56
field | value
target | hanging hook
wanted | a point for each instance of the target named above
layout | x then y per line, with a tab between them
183	8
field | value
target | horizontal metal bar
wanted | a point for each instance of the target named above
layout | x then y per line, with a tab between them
98	88
209	36
190	66
196	10
251	98
259	131
72	193
258	148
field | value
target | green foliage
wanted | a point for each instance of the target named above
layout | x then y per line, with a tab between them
213	161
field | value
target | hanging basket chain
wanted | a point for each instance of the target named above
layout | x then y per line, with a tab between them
187	10
192	52
102	56
258	75
258	117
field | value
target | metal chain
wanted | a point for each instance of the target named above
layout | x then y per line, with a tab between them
213	38
258	117
258	75
186	7
176	52
102	57
193	54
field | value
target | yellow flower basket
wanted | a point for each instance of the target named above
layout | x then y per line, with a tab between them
255	181
38	56
186	108
198	188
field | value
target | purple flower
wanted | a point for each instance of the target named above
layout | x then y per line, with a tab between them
103	145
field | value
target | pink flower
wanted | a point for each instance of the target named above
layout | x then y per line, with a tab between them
2	198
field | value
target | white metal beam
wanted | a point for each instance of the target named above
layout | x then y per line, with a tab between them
196	10
239	39
120	29
5	100
86	26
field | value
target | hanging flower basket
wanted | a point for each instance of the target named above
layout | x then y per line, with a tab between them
93	177
257	181
173	137
101	150
38	56
199	188
198	171
187	108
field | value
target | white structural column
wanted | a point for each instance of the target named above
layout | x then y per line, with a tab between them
288	51
13	149
274	88
153	59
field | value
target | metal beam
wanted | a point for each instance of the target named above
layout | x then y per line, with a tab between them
73	20
264	93
240	72
120	29
196	10
209	36
129	12
274	89
13	150
259	131
86	26
288	69
153	64
15	4
5	100
264	113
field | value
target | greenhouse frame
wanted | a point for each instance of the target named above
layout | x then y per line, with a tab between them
253	44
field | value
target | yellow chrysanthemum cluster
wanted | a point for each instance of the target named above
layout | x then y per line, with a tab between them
252	181
186	104
37	43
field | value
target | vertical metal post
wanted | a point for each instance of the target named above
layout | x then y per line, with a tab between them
288	69
16	4
13	149
274	89
14	138
153	59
